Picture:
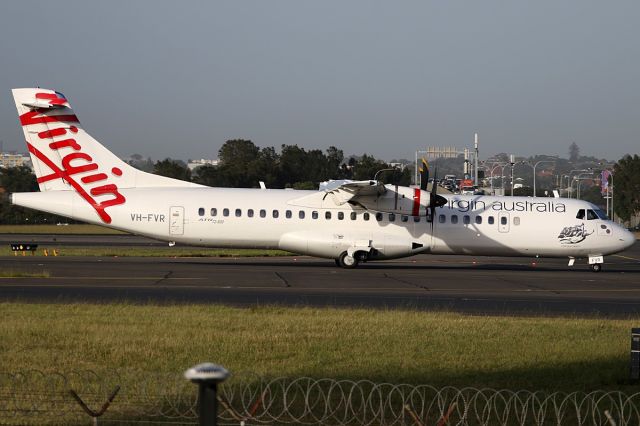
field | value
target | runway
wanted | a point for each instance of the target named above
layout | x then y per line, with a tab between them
491	285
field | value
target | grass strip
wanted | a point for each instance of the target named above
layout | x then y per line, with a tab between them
441	349
152	251
11	273
59	229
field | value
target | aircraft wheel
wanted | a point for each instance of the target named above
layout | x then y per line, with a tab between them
347	261
596	267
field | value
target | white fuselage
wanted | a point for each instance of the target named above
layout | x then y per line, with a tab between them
274	218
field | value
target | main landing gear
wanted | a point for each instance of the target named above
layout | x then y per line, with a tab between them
349	262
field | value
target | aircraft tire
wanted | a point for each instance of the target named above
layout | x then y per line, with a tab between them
596	267
346	261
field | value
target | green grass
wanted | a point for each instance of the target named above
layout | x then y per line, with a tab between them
10	273
55	229
384	346
146	252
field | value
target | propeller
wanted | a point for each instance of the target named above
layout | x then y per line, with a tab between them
424	175
435	200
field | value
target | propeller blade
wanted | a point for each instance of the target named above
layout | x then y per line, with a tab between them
424	174
435	200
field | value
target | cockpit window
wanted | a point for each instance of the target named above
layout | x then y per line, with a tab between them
580	214
591	215
602	215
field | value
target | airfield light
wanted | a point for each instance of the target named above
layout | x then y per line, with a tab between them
207	376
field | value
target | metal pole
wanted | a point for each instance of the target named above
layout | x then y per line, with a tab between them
208	404
612	189
475	169
207	376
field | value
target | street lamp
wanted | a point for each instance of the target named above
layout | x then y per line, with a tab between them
578	179
570	182
534	169
493	168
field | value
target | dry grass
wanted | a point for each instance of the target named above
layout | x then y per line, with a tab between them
55	229
123	251
395	346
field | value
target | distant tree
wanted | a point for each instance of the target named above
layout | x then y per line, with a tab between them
367	166
238	162
176	169
574	152
206	175
141	163
626	190
20	179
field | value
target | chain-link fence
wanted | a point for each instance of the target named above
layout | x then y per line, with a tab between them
35	397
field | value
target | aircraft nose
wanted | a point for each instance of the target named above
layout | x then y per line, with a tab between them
627	238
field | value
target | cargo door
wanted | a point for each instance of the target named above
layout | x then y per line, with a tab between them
176	220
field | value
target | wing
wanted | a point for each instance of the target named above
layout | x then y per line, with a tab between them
352	190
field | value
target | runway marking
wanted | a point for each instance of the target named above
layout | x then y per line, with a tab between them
626	257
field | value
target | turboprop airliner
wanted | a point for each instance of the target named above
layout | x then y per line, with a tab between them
348	221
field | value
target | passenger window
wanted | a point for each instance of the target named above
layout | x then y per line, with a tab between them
580	214
314	214
201	211
478	220
275	214
392	217
442	218
365	216
490	220
404	218
503	220
214	212
454	218
379	217
354	215
238	212
340	215
466	219
516	220
250	212
591	215
327	215
225	212
263	213
301	214
288	214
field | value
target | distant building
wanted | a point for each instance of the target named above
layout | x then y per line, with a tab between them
192	164
11	159
399	166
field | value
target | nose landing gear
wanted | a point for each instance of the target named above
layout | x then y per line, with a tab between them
596	267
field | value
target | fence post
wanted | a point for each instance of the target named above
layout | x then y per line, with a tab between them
207	376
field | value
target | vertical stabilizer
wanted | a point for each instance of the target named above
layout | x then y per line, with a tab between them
66	158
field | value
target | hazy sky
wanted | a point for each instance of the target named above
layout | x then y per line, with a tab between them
178	78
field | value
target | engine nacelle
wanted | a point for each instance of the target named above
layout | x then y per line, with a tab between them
400	200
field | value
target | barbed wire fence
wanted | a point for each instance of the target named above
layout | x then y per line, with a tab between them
40	398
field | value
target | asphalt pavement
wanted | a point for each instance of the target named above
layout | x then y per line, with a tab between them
483	285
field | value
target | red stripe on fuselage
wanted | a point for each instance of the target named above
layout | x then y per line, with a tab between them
416	202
